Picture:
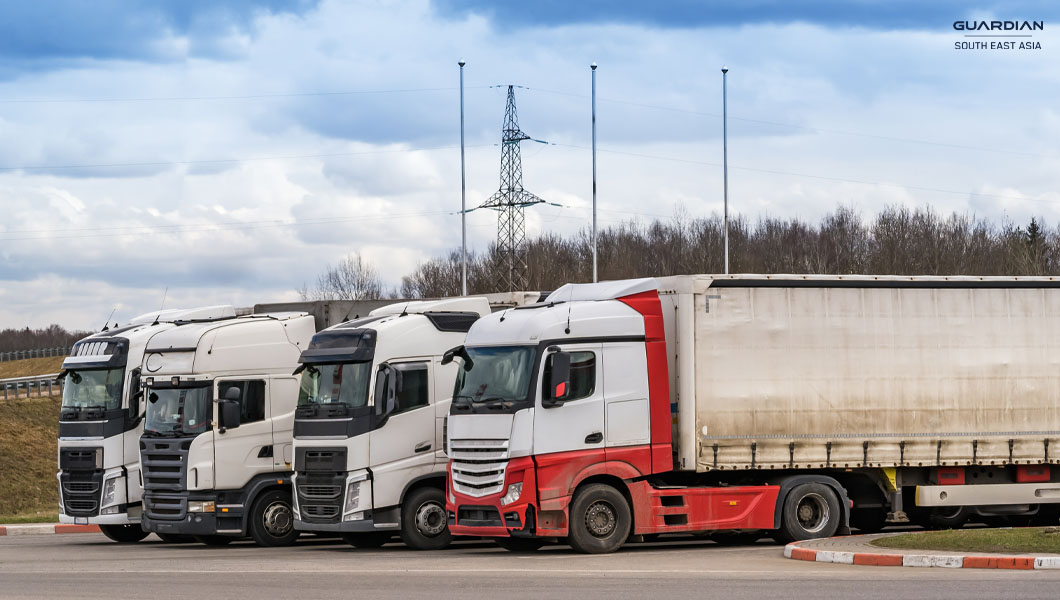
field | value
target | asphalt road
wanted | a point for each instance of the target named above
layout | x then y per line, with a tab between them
88	566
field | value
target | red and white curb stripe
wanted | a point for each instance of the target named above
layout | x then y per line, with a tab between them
793	551
47	529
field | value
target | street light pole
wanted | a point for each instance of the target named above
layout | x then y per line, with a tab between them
593	67
725	157
463	192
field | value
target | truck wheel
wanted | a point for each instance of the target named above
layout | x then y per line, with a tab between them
811	511
271	520
513	544
949	517
214	540
424	525
124	534
373	539
175	538
600	519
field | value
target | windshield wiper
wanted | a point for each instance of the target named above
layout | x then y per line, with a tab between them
495	402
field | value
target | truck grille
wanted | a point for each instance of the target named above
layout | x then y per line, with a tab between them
80	487
478	466
320	511
320	496
165	469
81	480
316	492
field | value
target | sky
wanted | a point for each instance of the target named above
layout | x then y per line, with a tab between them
226	152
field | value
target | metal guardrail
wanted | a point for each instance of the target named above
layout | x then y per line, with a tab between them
36	353
23	387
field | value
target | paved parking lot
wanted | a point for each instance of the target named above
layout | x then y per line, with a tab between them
88	566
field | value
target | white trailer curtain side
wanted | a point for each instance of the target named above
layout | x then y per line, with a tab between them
779	372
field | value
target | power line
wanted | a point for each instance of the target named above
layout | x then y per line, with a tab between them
228	226
803	127
232	97
811	176
209	161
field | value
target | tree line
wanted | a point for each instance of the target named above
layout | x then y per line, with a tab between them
897	241
52	336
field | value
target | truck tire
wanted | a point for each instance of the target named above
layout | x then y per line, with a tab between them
371	539
513	544
271	520
175	538
124	534
600	519
811	510
949	518
424	525
214	540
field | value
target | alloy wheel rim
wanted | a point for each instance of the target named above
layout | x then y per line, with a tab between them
430	519
277	519
812	512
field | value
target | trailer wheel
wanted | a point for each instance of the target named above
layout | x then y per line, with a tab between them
600	519
513	544
214	540
811	511
271	522
424	525
367	540
124	534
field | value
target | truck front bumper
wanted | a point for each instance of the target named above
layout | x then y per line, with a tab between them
495	515
225	519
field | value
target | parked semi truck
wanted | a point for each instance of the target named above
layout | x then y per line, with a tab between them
370	424
795	405
216	447
101	420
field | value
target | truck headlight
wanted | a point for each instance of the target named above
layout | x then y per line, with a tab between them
110	491
515	490
353	497
201	507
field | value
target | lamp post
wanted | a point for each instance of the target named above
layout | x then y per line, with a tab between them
593	68
725	158
463	191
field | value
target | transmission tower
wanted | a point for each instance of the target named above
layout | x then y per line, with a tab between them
510	200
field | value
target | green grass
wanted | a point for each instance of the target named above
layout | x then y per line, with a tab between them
31	366
1023	540
41	516
29	429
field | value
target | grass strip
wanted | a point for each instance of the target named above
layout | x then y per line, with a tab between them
1018	539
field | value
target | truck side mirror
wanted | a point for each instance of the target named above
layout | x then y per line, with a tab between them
229	410
137	393
559	381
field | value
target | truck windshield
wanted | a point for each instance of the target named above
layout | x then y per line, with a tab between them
176	411
345	383
500	373
97	388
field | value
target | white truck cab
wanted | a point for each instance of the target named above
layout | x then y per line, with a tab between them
101	420
216	447
369	431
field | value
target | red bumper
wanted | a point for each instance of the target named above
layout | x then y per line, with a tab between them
485	516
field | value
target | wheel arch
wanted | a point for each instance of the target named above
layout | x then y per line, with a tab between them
789	483
613	481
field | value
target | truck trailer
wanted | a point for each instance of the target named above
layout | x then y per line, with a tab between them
101	420
370	424
738	405
216	447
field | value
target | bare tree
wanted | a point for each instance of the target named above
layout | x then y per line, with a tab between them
353	278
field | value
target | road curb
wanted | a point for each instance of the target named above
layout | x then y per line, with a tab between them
46	529
949	561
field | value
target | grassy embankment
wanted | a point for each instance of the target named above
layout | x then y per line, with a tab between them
28	431
1020	540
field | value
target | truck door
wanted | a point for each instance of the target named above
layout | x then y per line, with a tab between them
577	423
242	452
402	447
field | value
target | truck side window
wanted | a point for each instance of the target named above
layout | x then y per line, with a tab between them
414	387
251	399
582	374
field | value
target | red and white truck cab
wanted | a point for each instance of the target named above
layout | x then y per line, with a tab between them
561	415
